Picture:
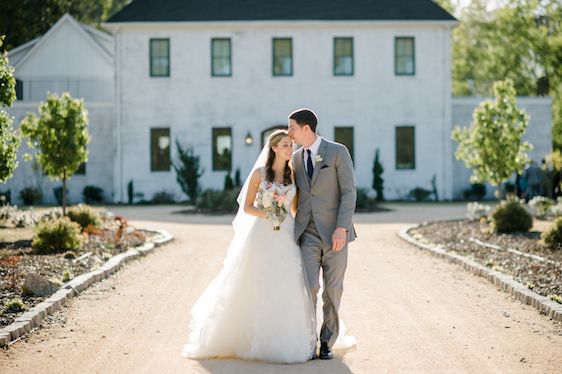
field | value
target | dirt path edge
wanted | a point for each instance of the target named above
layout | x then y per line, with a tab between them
32	318
543	304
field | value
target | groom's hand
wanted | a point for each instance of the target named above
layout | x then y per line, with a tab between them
339	239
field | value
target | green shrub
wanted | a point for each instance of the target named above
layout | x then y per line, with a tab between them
163	197
5	197
228	182
363	200
511	216
57	191
218	200
14	305
57	236
31	195
553	235
130	192
84	215
419	194
92	194
476	192
67	276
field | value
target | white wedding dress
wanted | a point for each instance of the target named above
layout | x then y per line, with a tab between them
259	306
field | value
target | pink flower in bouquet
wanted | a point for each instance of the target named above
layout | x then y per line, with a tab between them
279	198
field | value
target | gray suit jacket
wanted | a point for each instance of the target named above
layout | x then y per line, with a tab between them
329	197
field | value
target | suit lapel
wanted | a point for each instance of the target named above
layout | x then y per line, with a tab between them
318	165
300	172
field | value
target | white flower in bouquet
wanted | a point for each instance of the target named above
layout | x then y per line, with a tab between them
271	199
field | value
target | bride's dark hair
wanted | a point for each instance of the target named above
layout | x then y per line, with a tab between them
273	140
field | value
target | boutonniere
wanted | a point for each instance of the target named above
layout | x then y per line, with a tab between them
319	159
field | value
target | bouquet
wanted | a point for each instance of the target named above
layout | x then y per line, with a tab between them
271	198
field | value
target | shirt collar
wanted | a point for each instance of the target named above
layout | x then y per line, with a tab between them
315	146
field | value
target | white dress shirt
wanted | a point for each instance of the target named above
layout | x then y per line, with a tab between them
313	152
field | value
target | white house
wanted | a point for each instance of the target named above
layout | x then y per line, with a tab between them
76	58
377	73
220	75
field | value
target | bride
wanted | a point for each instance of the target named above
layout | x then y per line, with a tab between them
259	306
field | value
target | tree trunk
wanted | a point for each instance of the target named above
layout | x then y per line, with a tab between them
64	194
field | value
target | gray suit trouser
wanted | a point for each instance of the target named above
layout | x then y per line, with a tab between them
316	255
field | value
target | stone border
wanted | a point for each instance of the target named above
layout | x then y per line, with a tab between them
34	316
507	284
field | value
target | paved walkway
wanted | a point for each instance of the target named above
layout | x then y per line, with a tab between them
409	311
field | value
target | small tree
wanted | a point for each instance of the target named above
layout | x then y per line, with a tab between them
237	180
228	182
188	171
130	191
9	139
60	131
492	146
378	182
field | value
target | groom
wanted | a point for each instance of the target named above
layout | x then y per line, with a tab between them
323	225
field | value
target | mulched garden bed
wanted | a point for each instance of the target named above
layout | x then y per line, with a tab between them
17	258
522	256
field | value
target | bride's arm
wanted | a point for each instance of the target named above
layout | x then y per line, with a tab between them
249	207
295	204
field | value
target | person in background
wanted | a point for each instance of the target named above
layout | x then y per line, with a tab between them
534	176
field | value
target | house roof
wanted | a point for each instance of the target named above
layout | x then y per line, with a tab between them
280	10
100	40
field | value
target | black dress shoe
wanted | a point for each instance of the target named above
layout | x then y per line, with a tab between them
325	352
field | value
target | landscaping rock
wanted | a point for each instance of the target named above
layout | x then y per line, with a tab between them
37	285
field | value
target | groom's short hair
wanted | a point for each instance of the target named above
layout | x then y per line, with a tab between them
303	117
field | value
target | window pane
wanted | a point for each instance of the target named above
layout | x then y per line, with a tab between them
19	90
222	148
160	149
344	135
282	57
404	55
343	56
221	65
405	147
159	57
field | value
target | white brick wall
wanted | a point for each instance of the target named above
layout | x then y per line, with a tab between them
373	100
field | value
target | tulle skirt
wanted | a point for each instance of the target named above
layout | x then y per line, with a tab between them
259	305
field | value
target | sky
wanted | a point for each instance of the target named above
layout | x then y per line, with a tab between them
491	4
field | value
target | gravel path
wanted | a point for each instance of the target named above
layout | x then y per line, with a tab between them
409	311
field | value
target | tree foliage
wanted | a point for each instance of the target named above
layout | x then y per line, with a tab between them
23	20
188	171
378	182
60	132
9	139
521	41
492	146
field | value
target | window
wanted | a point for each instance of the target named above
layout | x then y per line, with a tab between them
404	56
265	134
282	57
19	90
81	169
221	65
160	149
344	135
405	147
159	57
222	148
343	56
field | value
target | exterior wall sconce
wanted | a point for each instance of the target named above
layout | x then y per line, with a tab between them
249	140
